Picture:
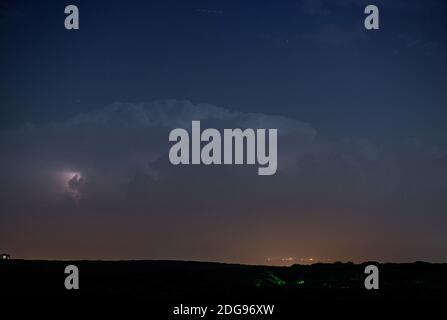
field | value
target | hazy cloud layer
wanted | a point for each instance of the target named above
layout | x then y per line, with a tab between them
112	164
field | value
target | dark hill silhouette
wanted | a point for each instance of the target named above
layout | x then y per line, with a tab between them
166	283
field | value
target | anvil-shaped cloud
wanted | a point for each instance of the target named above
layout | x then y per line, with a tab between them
326	191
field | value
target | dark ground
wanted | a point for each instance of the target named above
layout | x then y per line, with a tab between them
161	285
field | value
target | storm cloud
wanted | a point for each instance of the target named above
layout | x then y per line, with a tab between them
111	165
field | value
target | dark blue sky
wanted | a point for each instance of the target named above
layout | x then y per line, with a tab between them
364	115
310	60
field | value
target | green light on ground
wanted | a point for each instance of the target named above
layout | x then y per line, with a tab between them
275	279
300	282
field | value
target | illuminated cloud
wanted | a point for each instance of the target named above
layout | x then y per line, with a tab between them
111	165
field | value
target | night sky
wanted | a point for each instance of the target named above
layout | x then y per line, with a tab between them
362	140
